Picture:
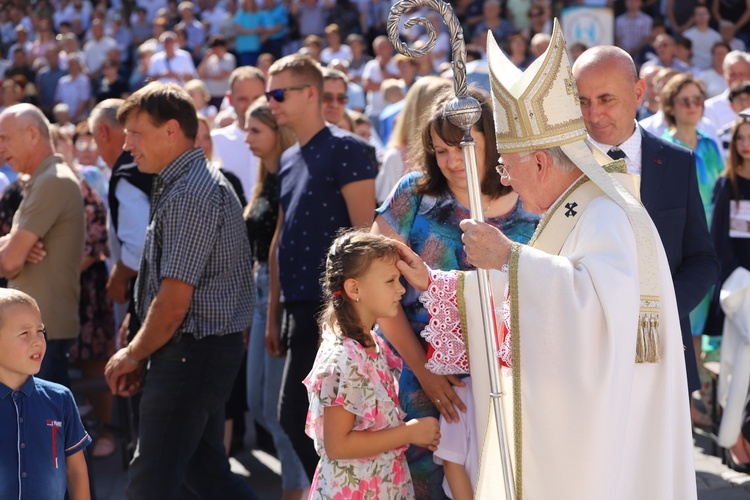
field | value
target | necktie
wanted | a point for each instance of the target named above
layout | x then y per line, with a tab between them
616	153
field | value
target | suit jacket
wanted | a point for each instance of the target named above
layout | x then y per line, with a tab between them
669	191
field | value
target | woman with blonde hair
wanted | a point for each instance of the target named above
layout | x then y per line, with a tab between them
406	134
267	140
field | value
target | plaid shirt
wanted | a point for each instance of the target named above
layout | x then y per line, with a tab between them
196	234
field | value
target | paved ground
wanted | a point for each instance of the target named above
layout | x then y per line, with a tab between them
715	481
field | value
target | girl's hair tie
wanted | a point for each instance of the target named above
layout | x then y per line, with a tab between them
337	293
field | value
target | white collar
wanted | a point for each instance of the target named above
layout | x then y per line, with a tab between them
631	147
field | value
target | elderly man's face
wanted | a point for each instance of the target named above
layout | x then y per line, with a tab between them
737	72
520	168
14	143
609	101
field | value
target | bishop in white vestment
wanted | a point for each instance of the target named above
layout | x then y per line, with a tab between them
590	346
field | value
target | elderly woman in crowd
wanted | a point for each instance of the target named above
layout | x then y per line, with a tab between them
424	211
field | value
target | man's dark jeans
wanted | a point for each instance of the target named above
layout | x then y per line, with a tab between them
182	421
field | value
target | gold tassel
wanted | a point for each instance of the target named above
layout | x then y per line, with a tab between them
654	346
648	347
640	346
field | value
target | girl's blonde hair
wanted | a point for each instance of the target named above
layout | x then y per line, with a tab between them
260	111
350	257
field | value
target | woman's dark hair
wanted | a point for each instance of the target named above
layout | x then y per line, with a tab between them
433	181
350	257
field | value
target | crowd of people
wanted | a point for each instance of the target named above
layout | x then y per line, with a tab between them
177	175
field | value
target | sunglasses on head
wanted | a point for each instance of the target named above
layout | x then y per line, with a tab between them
340	98
278	94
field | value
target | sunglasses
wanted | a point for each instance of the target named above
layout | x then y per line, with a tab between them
278	94
340	98
686	102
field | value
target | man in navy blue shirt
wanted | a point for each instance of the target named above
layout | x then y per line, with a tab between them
326	183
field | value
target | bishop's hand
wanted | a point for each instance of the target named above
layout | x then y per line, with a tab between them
486	246
412	266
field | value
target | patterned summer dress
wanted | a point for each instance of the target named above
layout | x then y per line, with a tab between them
365	384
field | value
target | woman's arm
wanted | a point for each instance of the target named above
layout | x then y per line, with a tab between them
342	442
273	321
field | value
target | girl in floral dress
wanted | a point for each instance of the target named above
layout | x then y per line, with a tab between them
355	418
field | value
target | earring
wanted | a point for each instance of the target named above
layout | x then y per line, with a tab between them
357	299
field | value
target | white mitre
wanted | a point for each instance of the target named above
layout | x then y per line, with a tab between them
539	109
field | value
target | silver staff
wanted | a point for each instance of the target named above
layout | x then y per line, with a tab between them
463	111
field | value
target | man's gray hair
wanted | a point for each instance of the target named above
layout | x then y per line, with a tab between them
105	111
734	57
561	160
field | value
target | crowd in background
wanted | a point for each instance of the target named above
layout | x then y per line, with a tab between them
66	56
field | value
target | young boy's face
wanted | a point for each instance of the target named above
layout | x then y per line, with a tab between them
22	344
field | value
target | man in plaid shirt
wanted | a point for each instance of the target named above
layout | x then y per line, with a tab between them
194	296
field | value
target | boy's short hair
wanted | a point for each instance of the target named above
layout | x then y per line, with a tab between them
12	297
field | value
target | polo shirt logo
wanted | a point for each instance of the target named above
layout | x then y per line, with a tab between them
55	424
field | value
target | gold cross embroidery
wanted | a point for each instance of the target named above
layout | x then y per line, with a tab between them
570	86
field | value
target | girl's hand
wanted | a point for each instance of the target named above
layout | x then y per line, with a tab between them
424	432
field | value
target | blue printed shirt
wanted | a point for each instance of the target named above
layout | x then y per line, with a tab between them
310	182
39	427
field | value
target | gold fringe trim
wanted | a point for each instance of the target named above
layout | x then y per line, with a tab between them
648	346
515	253
461	282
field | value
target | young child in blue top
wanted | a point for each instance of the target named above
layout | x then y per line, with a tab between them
41	434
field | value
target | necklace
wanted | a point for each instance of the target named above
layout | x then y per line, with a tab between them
487	208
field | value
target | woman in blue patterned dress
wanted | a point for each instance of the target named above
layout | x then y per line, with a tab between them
424	210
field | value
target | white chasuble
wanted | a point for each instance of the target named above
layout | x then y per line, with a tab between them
584	419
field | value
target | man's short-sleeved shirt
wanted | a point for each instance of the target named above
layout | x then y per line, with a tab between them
310	182
39	427
197	235
52	209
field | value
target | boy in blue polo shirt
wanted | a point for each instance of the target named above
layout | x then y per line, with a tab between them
41	434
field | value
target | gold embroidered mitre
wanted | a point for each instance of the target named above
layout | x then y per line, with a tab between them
538	108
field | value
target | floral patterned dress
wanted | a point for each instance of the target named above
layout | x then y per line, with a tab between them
366	385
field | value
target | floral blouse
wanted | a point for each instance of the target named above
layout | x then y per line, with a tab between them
366	385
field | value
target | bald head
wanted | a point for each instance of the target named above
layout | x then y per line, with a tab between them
607	57
25	139
25	116
610	93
